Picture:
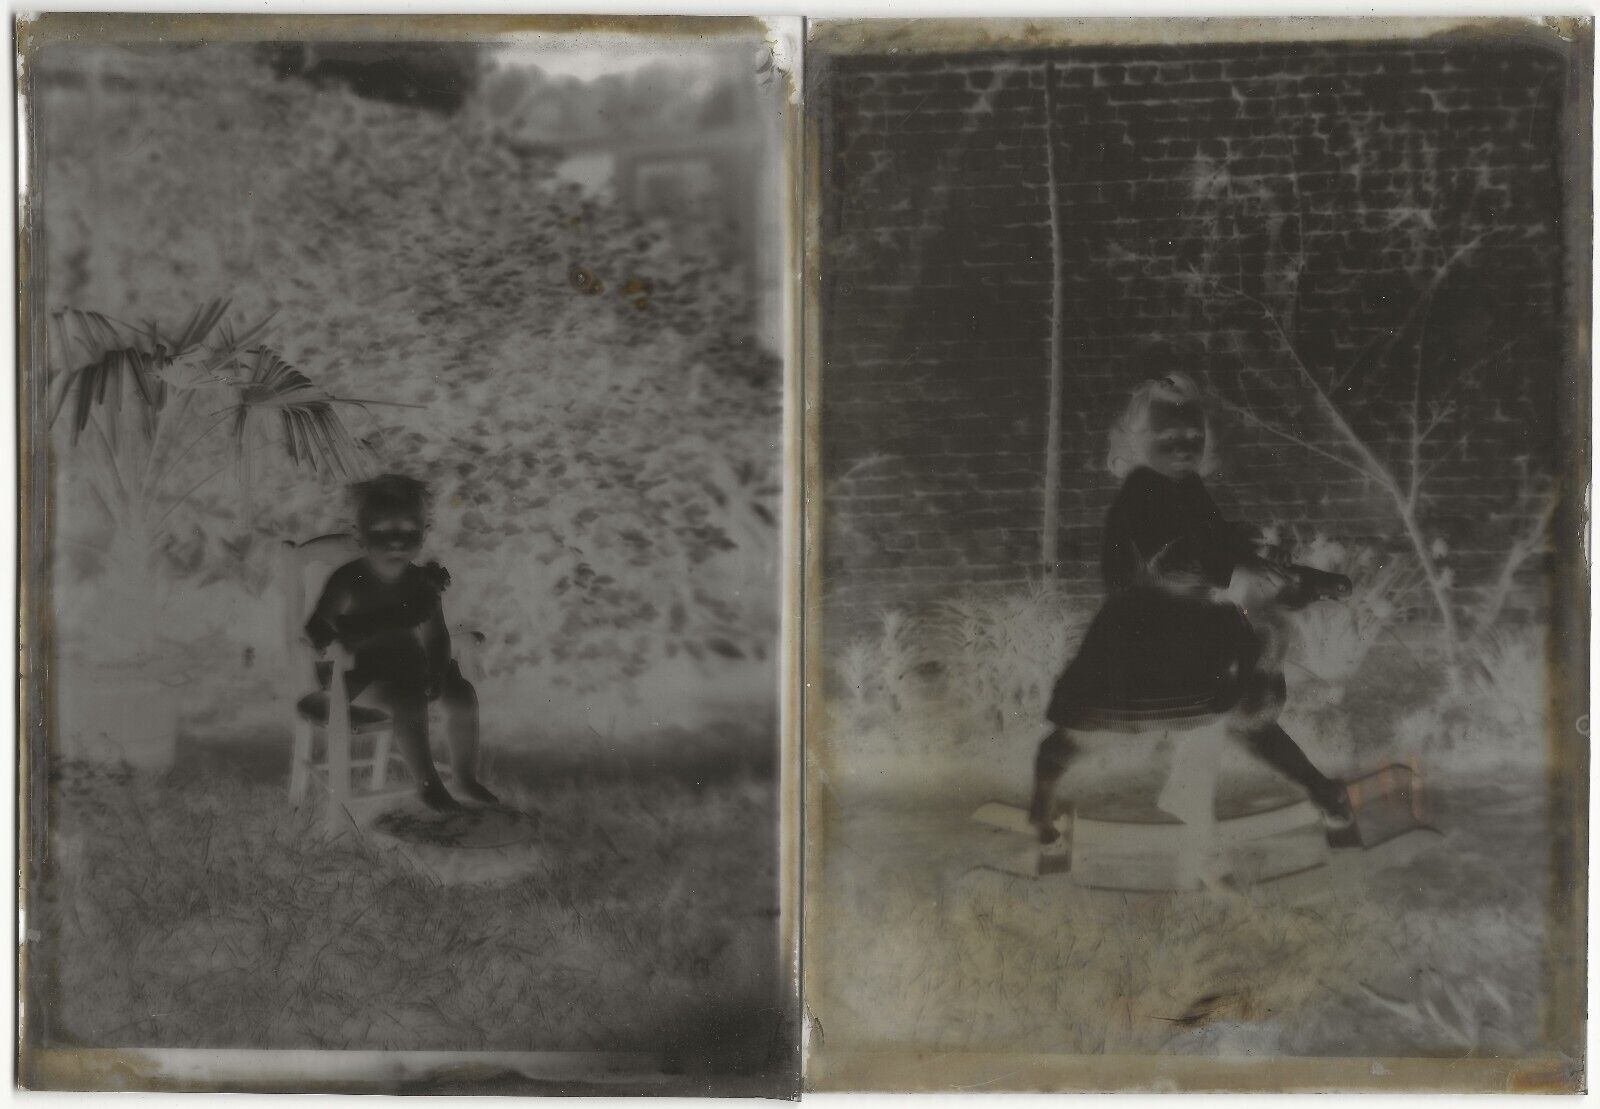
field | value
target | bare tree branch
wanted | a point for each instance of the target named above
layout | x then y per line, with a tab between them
1437	462
1417	309
1300	441
1478	363
1374	465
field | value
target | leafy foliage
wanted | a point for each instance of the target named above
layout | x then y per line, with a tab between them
1003	651
604	470
1496	717
1334	639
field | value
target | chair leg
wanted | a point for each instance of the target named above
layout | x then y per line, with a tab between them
383	742
436	728
299	760
338	749
338	783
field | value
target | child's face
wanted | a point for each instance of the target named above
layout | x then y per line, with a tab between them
391	542
1175	438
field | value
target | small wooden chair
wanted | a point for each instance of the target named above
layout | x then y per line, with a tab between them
353	784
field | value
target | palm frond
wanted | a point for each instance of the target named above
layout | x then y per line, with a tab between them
201	323
98	380
117	357
233	342
114	363
314	435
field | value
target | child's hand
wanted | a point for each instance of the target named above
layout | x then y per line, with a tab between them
1255	585
1274	554
436	576
438	676
1171	573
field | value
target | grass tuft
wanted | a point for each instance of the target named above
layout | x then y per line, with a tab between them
197	910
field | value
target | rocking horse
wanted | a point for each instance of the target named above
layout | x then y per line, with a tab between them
1190	837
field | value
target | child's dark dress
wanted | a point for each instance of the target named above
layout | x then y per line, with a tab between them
401	647
394	630
1161	647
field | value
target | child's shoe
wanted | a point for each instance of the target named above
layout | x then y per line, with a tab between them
1042	817
476	791
437	798
1339	818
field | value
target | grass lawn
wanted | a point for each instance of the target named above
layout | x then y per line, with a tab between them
196	909
913	943
916	945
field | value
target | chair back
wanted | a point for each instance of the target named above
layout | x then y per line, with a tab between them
305	569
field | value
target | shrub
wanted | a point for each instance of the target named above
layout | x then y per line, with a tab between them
1000	652
968	668
1496	718
1333	639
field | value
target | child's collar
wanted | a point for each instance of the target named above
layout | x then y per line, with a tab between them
1153	472
366	564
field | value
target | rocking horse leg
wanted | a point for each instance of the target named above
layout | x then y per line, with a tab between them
1056	752
1190	794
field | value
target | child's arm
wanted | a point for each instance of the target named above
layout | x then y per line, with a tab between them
1227	543
436	635
1152	539
1239	565
436	643
336	600
1253	543
344	613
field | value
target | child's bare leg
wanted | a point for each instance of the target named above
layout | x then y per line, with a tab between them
1056	752
408	712
461	712
1255	724
1274	746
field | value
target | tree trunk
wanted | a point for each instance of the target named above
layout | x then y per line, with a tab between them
1049	551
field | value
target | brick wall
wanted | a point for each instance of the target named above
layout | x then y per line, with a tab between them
1359	166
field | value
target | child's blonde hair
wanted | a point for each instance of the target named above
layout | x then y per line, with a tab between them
1129	435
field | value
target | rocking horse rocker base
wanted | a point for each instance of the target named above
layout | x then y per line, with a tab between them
1188	841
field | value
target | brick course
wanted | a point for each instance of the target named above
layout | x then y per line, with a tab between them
1373	160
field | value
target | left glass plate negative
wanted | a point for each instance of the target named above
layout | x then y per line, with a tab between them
404	513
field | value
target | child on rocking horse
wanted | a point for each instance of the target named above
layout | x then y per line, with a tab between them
1191	627
387	611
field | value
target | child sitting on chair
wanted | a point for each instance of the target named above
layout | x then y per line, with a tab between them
386	610
1189	628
